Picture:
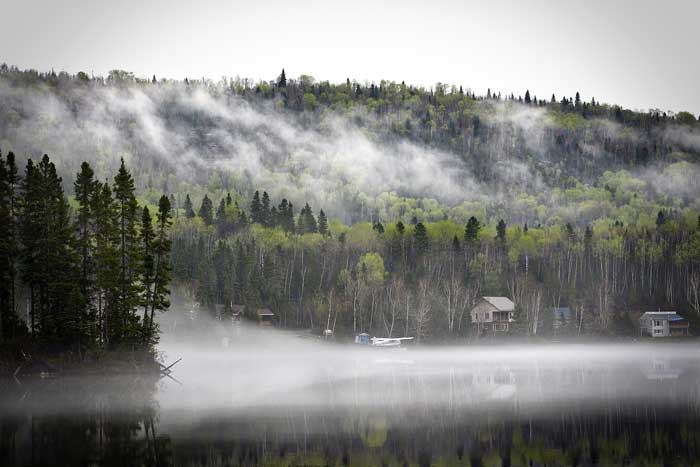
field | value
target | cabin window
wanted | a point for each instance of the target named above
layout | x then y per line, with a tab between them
657	322
657	331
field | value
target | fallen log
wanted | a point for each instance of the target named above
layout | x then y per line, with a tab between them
166	369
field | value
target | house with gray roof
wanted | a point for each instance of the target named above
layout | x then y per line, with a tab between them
663	324
493	314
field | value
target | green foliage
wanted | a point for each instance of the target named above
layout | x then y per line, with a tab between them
206	211
85	277
420	235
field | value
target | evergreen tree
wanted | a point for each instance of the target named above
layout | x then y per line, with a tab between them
527	97
228	199
660	219
85	186
206	210
189	211
378	227
221	221
50	260
147	266
400	228
421	238
307	221
266	217
501	231
9	247
256	209
161	277
471	231
106	258
322	223
282	81
126	328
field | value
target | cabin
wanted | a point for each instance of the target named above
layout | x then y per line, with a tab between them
265	316
493	314
663	324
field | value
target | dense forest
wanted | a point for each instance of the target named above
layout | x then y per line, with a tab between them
90	278
414	202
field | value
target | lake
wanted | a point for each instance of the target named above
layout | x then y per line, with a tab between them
271	398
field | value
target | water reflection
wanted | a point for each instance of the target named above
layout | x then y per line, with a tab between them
281	401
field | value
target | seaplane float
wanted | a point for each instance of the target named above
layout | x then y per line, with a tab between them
391	342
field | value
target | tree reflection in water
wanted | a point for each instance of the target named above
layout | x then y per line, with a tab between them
636	411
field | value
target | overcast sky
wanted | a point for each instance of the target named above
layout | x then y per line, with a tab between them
638	53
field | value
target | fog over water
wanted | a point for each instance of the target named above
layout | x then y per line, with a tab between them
250	396
270	369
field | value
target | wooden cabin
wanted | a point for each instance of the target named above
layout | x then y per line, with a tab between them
265	316
493	314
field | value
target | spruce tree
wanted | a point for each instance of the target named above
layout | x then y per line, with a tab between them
322	223
161	277
189	211
400	228
307	221
265	216
256	209
85	187
501	231
421	238
660	219
127	328
106	258
221	221
9	246
471	231
50	259
146	237
206	210
6	245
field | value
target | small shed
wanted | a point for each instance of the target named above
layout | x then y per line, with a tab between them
265	316
362	339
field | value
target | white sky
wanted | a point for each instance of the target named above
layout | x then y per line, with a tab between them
638	53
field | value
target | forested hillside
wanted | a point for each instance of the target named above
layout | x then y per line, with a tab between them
414	201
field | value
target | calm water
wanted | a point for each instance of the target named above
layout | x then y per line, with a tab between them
274	399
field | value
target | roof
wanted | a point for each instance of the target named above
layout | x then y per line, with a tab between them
664	315
265	312
501	303
237	308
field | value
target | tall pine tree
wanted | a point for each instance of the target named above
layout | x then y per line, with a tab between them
127	326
